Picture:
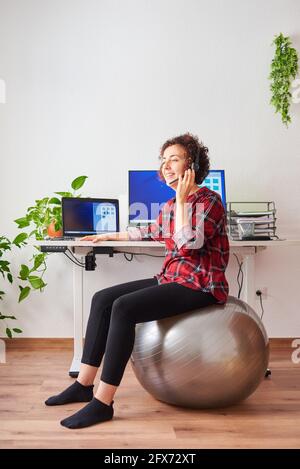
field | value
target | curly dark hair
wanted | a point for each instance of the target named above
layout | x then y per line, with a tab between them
192	147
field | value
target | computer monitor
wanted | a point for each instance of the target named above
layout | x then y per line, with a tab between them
88	216
215	181
147	193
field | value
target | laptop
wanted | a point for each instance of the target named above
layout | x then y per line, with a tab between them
89	216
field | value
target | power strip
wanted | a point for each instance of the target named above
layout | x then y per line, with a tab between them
49	248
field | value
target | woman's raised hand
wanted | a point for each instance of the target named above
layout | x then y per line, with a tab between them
185	184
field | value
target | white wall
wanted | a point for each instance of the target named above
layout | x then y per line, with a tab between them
95	87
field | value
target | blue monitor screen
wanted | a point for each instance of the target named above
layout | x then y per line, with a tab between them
147	193
215	181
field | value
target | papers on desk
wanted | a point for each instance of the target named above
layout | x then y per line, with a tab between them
251	224
253	213
257	220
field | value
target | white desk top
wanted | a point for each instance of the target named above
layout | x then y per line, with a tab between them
156	244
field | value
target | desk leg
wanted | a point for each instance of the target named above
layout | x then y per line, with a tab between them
248	293
78	317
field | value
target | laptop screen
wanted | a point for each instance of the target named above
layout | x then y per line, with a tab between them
82	216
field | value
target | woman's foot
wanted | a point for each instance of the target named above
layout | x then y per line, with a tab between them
74	393
94	412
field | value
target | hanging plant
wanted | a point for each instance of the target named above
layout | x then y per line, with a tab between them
284	68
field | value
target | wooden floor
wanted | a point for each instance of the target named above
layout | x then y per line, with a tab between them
37	368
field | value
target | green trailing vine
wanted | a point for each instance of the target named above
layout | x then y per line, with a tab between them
6	245
36	221
284	68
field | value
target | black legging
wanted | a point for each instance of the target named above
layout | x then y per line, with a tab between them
116	310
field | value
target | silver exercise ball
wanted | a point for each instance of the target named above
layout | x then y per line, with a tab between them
209	357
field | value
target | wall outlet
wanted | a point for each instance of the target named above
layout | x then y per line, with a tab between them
264	293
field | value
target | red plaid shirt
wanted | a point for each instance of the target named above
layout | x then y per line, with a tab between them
197	266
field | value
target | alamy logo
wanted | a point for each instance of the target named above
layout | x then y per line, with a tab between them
192	230
2	351
296	353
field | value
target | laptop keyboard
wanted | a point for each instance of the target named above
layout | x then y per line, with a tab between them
61	238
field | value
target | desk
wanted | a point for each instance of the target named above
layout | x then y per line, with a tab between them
245	249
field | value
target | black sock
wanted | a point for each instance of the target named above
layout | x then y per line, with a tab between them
74	393
94	412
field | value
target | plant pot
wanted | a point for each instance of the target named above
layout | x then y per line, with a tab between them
52	233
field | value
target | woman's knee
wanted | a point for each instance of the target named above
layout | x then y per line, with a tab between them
102	299
122	310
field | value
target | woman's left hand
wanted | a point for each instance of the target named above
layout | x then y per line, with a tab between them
185	184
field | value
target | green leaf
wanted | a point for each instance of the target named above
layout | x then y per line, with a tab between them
24	272
8	332
55	201
9	278
43	201
18	331
64	194
57	226
4	266
24	293
36	282
7	317
38	261
5	246
20	239
78	182
32	233
4	263
22	222
57	211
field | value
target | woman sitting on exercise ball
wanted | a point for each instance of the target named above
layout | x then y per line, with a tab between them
193	226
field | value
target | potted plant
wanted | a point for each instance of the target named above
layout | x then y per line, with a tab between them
45	215
42	219
284	68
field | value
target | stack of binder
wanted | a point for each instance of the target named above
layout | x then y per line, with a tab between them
251	220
